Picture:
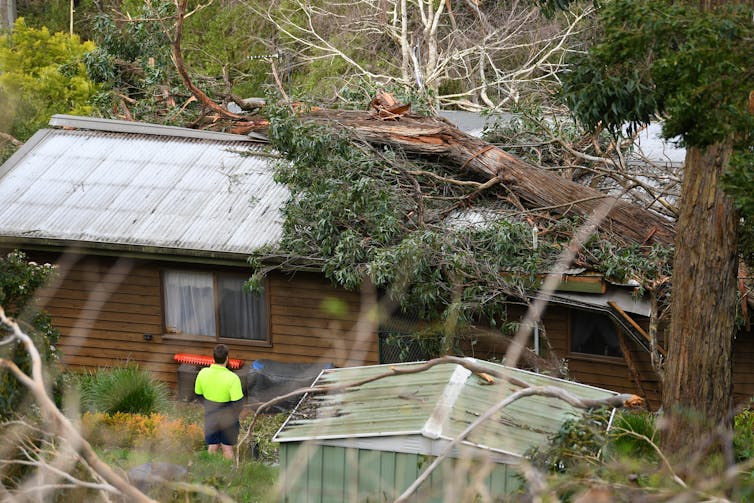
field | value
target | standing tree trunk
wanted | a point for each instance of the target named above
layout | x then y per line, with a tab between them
698	385
7	14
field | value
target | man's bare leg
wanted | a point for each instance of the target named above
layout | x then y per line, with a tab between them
227	451
213	448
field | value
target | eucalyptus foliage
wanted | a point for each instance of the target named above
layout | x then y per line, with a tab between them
132	62
691	67
362	213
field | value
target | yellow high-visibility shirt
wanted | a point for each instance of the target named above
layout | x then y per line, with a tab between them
218	384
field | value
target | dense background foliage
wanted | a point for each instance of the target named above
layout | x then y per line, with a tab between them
41	73
19	281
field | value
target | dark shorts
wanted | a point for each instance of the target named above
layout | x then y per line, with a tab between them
227	435
221	425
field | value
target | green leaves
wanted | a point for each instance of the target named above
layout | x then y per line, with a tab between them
41	74
671	59
360	214
19	281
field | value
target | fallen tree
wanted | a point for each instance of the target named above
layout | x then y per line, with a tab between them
536	187
389	123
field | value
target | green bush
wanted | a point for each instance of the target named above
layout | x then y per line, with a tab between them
633	434
41	74
19	281
743	435
259	445
127	389
577	442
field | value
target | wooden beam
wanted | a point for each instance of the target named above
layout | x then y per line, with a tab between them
632	370
635	325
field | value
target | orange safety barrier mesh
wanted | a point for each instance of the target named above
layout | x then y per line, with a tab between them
206	361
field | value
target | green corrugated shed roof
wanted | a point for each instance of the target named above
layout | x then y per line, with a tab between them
432	406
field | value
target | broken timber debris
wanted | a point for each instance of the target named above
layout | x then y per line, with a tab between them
535	186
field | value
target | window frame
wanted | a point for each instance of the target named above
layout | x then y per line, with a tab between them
575	355
216	338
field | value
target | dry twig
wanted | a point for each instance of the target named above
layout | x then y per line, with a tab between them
54	418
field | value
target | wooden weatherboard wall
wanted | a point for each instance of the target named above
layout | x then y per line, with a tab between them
314	473
613	372
109	312
104	306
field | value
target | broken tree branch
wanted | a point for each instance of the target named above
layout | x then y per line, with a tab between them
181	67
535	186
623	400
6	138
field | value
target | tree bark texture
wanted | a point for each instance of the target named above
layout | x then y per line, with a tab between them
7	14
698	380
536	187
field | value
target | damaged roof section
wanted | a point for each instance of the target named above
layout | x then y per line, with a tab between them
422	412
108	184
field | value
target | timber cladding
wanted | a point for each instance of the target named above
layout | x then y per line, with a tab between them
109	311
104	306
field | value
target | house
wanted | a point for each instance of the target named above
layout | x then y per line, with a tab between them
369	442
150	228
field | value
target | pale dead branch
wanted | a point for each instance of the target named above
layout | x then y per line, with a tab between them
548	391
57	422
6	138
430	44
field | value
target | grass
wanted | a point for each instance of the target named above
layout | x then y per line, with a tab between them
177	439
127	389
251	481
131	421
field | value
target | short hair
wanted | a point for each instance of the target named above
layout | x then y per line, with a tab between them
220	353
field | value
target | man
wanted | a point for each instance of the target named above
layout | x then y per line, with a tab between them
223	396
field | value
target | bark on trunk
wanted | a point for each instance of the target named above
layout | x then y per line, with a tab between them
698	380
7	14
536	187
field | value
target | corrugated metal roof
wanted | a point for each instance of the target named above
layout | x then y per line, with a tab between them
144	189
437	404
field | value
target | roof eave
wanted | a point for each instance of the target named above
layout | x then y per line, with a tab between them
127	250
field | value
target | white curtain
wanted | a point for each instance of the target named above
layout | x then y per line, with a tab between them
189	302
242	314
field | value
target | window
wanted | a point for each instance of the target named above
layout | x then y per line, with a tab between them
213	305
593	334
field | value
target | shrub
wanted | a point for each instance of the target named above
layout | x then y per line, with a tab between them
578	441
633	434
743	435
152	432
19	281
259	444
127	389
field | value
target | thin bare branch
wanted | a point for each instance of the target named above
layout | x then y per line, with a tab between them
55	419
548	391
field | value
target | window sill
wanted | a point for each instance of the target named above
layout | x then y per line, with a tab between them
245	342
187	337
595	358
210	338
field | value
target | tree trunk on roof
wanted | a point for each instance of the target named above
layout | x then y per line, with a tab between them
536	187
698	383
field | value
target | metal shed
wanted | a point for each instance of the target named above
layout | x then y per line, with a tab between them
371	441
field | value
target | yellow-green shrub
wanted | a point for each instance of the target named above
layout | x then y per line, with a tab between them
153	432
